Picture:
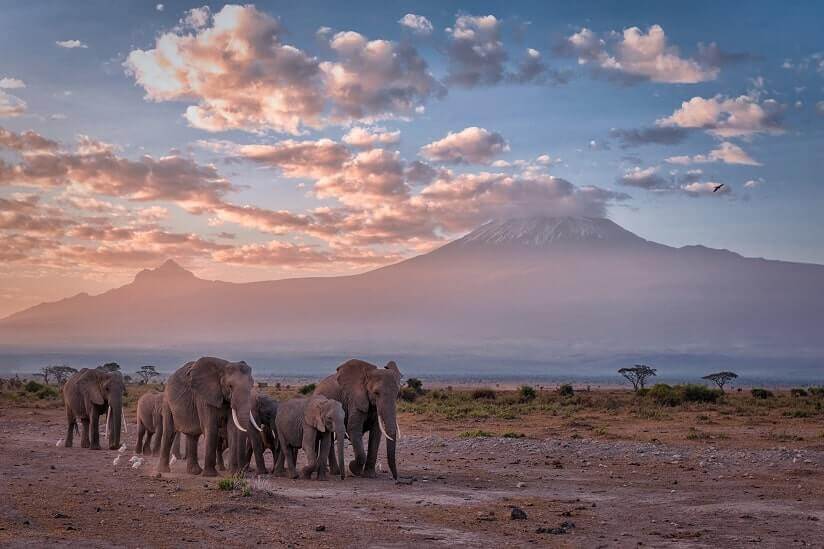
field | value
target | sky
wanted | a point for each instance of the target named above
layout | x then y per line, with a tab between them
281	139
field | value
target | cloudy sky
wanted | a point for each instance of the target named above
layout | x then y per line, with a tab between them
270	140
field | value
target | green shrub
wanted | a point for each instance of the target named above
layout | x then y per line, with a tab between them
307	389
699	393
527	393
566	390
476	433
483	393
798	392
408	394
664	394
761	393
817	391
32	386
415	384
513	434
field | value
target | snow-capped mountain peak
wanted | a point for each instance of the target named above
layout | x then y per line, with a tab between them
541	231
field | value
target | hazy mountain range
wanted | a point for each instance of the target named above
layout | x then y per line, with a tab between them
538	288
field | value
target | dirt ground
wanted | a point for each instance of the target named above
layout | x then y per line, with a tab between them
618	484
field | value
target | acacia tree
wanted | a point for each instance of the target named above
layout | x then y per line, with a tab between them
60	373
146	374
637	375
721	378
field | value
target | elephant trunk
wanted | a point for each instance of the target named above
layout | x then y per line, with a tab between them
388	423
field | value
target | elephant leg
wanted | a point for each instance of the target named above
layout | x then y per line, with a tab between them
157	437
325	448
210	460
219	463
278	456
176	451
141	432
166	441
356	438
84	433
72	421
310	437
232	434
256	442
191	455
95	430
374	445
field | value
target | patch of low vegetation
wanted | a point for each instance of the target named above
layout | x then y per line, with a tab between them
483	393
666	395
235	483
695	434
781	436
513	434
566	390
307	389
527	393
816	391
761	393
799	392
476	433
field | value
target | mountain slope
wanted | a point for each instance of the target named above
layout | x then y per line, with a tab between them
543	283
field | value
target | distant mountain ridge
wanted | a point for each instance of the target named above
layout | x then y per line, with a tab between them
548	284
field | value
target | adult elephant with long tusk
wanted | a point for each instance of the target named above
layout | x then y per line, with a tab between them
369	397
195	398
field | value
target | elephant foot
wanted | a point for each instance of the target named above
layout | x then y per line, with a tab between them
84	444
94	447
209	472
306	472
355	467
294	475
322	475
369	472
194	469
220	467
279	472
163	468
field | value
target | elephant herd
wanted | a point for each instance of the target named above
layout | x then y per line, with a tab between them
214	398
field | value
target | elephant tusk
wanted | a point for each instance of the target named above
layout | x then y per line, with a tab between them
125	427
237	423
252	419
380	424
108	417
397	430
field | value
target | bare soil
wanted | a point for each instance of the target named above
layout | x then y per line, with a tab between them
621	482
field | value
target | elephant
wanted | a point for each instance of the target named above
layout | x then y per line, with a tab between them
299	422
150	426
87	394
369	396
243	445
197	398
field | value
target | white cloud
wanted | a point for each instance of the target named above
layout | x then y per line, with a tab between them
370	137
71	44
11	83
753	183
471	145
727	152
416	23
637	55
241	74
728	117
11	105
160	7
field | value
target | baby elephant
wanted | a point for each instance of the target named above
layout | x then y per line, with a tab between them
150	426
310	423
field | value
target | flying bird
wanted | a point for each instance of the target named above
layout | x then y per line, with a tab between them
714	189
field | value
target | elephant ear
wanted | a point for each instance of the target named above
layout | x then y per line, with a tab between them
89	385
205	379
352	378
313	415
392	367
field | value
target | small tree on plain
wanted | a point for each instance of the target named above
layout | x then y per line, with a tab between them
721	378
415	384
59	373
637	375
146	374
